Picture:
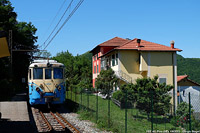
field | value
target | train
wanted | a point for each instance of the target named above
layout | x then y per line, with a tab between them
46	82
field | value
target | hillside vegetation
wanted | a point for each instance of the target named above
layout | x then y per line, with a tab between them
78	69
189	66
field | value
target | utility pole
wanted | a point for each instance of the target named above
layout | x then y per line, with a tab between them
10	44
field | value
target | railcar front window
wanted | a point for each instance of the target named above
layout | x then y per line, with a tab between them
47	73
37	73
58	73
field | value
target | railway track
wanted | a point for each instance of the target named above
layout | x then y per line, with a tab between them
52	122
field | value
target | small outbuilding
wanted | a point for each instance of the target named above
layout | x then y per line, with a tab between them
186	85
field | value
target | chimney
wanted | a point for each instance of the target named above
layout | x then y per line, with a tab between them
172	44
138	42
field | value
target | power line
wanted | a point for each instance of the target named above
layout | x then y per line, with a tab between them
70	15
54	19
59	21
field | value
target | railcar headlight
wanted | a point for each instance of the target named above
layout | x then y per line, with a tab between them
37	89
41	86
59	88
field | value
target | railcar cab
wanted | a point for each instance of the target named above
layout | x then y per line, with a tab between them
46	82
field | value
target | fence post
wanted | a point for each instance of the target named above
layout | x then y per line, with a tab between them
190	128
109	105
97	106
126	113
67	93
151	111
71	94
75	94
81	98
87	99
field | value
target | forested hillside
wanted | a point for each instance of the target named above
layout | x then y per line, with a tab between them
189	66
78	69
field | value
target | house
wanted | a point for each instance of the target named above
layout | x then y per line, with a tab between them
185	85
132	59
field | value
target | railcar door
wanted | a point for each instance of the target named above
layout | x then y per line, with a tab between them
37	78
48	81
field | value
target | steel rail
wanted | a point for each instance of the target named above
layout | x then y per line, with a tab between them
68	123
47	122
58	120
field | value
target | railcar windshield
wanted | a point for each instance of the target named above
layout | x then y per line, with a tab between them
58	73
47	73
37	73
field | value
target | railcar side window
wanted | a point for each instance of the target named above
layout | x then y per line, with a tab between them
58	73
47	73
37	73
30	74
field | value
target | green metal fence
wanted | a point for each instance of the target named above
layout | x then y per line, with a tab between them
108	114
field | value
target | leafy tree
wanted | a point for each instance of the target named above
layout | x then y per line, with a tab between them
43	54
78	69
23	38
106	80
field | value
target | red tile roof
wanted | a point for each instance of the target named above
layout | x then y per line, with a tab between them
181	77
120	43
116	41
146	46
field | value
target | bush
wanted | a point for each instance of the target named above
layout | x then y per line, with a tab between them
118	95
182	117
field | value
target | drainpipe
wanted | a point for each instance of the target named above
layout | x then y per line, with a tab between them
174	79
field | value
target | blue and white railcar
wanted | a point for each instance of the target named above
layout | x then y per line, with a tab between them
46	82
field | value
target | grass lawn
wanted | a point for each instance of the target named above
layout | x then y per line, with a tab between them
136	121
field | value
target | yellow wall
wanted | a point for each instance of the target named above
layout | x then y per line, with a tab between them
144	61
129	63
162	64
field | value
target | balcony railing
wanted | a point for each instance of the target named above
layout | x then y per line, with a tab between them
123	76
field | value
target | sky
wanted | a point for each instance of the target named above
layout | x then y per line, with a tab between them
96	21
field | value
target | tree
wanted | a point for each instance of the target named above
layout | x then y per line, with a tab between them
148	88
78	69
106	80
23	38
141	93
184	66
43	54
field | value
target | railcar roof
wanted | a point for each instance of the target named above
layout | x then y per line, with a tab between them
43	63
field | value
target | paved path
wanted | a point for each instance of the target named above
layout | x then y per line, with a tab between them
14	111
15	115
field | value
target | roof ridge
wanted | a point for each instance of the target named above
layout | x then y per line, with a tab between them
111	40
124	44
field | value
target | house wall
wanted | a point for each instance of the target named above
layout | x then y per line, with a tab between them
129	63
144	61
162	65
96	62
99	51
